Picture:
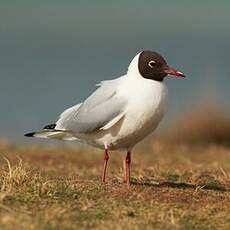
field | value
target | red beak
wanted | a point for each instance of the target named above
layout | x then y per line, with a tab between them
174	72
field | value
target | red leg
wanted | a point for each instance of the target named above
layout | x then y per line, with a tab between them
124	167
106	158
127	168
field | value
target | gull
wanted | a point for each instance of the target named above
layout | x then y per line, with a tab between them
120	112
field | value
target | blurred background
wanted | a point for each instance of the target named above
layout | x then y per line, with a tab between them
54	52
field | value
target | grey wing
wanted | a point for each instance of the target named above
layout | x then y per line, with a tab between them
100	111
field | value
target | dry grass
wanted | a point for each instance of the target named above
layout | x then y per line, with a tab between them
174	187
177	183
204	125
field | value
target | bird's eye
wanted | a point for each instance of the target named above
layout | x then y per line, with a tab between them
151	64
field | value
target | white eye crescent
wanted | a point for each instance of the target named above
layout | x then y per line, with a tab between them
151	64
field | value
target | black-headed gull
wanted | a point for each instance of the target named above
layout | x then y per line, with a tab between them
121	112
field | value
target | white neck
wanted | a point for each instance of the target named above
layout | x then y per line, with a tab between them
133	70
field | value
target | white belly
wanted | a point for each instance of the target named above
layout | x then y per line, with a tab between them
146	107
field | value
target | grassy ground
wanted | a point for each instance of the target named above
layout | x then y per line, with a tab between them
173	187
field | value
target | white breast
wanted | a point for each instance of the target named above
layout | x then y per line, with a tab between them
145	108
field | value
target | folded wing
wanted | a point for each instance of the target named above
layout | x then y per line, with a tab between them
103	109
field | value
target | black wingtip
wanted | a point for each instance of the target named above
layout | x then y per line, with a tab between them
52	126
29	134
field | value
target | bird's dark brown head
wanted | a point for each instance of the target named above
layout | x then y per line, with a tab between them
153	66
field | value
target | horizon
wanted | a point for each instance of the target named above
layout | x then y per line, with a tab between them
54	54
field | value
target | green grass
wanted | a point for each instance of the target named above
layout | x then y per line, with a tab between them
173	187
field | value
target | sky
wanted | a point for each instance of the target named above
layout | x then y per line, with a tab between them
53	53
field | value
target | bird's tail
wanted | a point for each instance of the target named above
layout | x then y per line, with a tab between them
50	132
